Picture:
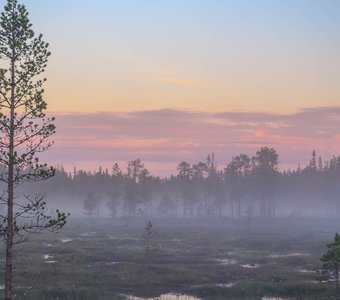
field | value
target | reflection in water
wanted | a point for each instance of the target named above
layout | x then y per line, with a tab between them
166	297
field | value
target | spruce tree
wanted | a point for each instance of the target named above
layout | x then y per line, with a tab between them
331	259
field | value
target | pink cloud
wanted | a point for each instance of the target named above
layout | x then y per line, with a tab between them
170	136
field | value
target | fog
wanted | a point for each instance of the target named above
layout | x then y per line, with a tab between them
246	187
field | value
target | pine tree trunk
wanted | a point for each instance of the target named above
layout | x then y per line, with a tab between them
9	237
10	194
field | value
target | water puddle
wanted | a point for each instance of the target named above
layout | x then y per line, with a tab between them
214	285
49	259
227	261
112	237
313	281
103	263
250	266
88	234
176	240
67	240
306	271
24	287
226	285
166	297
289	255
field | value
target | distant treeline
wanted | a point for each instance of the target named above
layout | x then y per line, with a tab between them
245	187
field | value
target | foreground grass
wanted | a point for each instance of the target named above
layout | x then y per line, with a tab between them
104	259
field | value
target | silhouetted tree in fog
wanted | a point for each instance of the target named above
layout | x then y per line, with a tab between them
236	176
145	182
167	206
186	187
116	190
132	196
91	203
265	178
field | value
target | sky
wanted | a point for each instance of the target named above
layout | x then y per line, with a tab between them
173	80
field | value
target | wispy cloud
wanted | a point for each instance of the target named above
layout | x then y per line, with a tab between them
169	136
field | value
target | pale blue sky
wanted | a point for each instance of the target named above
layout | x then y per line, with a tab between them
241	51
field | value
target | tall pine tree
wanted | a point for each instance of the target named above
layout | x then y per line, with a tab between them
24	130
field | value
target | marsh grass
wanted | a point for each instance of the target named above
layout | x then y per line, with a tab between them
186	259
